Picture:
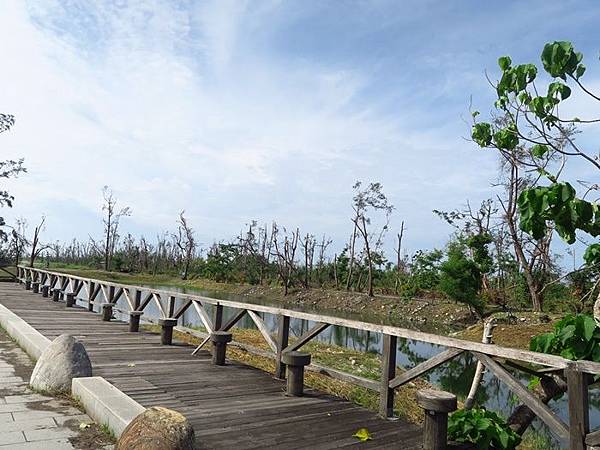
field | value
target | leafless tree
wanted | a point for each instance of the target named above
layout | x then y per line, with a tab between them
186	243
111	221
36	246
285	254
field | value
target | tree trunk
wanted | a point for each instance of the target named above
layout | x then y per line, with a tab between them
597	309
488	329
549	388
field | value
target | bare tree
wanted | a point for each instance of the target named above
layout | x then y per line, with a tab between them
36	246
111	221
186	243
285	253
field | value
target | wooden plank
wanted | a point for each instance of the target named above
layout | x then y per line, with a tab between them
388	371
156	298
147	300
343	376
204	317
579	409
283	335
425	366
128	298
235	319
260	324
494	350
177	314
538	407
306	337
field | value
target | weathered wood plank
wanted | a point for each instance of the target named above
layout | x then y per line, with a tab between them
425	366
540	409
493	350
260	324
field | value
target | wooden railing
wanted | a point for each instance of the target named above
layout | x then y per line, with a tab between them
495	358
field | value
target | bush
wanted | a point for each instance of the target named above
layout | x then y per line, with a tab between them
574	337
483	428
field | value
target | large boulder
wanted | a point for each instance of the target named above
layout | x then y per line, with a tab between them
64	359
158	428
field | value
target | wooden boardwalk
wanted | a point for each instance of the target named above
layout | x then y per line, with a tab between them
235	406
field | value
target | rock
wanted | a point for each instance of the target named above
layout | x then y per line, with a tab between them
64	359
158	428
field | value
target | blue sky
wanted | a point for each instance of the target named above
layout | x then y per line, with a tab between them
266	110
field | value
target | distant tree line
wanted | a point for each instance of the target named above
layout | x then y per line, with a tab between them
479	266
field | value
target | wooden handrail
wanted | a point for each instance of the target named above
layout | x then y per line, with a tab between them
575	372
526	356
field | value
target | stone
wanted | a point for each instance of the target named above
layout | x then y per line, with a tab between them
158	428
64	359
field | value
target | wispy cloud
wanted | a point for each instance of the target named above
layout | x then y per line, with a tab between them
235	110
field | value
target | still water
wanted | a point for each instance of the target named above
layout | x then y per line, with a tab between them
454	376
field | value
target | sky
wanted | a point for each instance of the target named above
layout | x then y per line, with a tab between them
260	110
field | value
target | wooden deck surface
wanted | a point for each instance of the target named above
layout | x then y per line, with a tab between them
235	406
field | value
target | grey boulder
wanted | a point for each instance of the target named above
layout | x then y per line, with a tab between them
64	359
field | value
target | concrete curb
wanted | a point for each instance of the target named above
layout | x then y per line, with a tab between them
105	403
28	338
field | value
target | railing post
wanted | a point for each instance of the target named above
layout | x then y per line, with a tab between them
171	306
437	405
91	289
388	372
111	294
579	411
220	339
218	318
283	334
138	299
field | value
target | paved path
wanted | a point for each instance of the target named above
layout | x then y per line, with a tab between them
31	421
235	406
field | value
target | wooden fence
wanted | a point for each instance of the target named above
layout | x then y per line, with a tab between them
495	358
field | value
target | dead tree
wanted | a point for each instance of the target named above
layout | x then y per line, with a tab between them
285	254
186	243
36	246
111	224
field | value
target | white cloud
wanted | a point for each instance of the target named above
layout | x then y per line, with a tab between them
194	108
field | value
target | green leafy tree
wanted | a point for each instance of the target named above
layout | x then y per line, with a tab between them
533	124
460	277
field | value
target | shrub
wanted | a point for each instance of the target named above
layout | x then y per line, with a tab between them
483	428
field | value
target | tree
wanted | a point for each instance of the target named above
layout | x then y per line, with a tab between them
8	168
460	277
36	246
111	222
365	201
186	243
534	126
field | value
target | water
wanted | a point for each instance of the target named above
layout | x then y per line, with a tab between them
454	376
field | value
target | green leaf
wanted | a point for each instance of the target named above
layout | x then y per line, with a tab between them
558	88
504	62
506	138
560	59
482	134
363	435
539	150
592	254
580	71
